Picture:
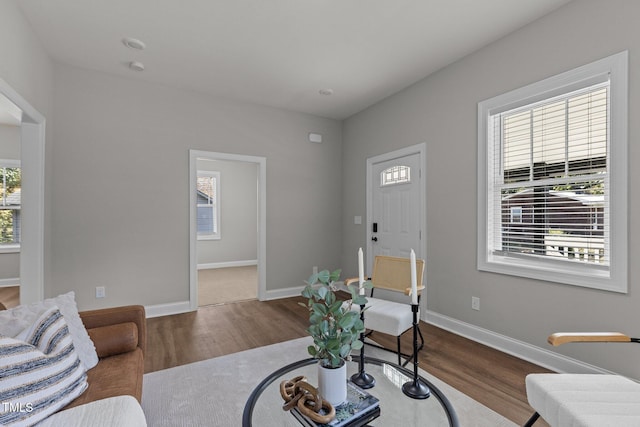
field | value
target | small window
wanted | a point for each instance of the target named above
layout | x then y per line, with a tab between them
395	175
10	204
516	214
208	205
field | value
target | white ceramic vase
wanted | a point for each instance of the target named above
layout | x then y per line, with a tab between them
332	383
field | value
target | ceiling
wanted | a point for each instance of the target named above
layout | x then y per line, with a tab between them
280	53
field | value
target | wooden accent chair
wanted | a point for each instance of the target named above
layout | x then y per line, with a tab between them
390	311
584	400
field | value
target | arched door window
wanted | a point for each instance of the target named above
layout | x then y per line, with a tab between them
395	175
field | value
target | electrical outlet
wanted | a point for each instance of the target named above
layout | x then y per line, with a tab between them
475	303
100	292
315	269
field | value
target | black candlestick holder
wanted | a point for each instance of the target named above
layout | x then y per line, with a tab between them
361	378
416	388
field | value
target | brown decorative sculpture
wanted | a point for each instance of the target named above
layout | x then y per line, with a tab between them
298	392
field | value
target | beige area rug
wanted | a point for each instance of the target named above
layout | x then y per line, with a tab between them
229	284
214	392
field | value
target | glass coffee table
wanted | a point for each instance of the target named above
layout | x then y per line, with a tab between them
264	406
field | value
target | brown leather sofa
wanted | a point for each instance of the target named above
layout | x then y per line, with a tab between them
120	337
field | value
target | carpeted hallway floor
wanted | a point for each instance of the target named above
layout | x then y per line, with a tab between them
221	285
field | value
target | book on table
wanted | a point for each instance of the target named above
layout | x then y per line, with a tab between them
359	408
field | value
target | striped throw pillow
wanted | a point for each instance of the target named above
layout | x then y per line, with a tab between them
40	375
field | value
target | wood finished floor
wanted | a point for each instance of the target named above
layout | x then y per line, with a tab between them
491	377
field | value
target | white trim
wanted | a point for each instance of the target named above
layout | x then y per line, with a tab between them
10	248
32	138
522	350
294	291
9	163
209	237
4	283
616	278
158	310
262	219
211	265
420	149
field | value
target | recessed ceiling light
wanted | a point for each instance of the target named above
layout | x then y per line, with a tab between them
326	92
136	66
133	43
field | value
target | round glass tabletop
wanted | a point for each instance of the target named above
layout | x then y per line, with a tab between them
264	406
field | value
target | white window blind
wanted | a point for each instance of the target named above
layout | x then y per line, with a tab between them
552	178
550	165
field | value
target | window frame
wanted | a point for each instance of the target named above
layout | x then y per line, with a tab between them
615	278
11	247
216	206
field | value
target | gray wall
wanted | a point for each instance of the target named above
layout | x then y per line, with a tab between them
9	142
442	110
23	62
120	201
238	213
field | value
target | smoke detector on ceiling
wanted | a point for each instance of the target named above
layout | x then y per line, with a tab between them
133	43
136	66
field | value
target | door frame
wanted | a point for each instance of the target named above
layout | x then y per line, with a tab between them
261	162
420	149
32	152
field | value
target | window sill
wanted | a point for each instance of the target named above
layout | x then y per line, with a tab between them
579	274
10	249
210	237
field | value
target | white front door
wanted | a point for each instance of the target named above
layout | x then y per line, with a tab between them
396	206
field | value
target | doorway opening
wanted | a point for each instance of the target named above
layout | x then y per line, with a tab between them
23	137
227	238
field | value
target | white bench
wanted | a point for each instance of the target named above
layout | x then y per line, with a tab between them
584	400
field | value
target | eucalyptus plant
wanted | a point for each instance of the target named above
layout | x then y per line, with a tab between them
334	327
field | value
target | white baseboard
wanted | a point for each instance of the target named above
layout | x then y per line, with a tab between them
243	263
283	293
9	282
294	291
158	310
542	357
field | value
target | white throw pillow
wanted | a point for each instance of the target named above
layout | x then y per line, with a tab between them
41	375
16	321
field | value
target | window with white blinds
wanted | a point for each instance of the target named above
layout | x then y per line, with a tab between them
553	174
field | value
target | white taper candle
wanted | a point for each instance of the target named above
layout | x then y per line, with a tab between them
414	282
360	271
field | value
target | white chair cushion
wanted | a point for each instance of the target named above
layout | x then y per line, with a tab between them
119	411
583	400
385	316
